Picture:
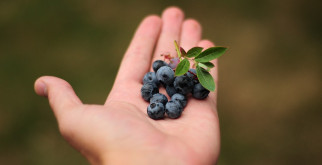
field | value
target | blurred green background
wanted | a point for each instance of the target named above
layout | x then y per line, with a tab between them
270	80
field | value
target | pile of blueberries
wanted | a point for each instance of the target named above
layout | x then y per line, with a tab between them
178	88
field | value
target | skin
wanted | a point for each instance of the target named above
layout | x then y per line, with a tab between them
120	131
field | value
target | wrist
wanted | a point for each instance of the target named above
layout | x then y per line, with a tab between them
138	158
176	153
160	156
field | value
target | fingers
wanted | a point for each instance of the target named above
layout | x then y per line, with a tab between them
190	34
214	71
137	59
172	19
207	44
61	96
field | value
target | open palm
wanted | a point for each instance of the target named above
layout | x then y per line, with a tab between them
120	132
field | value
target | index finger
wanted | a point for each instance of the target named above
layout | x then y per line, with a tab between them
137	59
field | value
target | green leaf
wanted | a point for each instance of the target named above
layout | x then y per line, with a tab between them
177	49
205	79
208	64
204	66
210	54
182	67
193	52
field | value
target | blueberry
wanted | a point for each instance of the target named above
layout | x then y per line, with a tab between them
148	90
158	64
183	84
174	62
170	90
193	77
165	75
199	92
159	98
150	77
156	111
173	109
180	98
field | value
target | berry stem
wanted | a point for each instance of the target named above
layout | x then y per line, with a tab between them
177	49
192	73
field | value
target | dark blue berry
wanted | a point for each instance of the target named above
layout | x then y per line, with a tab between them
193	76
165	75
150	77
148	90
183	84
199	92
159	98
180	98
156	111
158	64
173	109
190	75
170	90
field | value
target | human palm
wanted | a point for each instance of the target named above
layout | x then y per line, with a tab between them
120	131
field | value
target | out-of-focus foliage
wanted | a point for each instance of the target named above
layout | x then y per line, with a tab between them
269	87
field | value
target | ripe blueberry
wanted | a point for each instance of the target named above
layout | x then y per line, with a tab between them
159	98
158	64
173	109
180	98
148	90
193	76
150	77
199	92
165	75
190	75
170	90
156	111
183	84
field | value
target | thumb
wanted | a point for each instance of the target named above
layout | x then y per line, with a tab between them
61	95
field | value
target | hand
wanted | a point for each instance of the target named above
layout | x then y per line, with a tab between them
120	131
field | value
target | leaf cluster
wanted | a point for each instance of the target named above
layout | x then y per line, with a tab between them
201	60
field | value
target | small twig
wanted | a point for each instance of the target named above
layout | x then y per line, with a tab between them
192	73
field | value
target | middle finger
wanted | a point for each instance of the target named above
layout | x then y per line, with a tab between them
171	28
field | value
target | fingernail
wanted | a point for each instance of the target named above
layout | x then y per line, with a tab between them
43	86
45	90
